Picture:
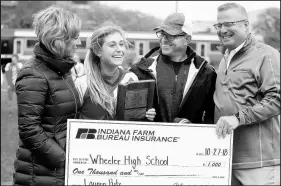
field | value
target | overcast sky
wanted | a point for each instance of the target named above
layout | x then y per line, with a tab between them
196	10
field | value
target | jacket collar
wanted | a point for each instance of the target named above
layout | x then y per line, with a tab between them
250	41
59	65
147	61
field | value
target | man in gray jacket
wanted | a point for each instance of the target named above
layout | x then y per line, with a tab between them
247	99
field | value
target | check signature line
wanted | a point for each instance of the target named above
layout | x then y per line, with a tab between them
189	176
169	176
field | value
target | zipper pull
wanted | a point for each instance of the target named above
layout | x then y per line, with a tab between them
175	85
226	72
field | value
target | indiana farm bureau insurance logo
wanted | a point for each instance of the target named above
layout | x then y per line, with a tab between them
123	135
84	133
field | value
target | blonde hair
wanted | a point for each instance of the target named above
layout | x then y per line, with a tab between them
55	27
97	87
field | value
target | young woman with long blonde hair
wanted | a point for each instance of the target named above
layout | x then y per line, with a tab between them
98	87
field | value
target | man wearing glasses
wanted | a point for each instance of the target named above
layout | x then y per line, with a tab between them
247	99
185	82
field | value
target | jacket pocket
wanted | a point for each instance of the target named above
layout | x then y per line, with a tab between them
240	77
242	85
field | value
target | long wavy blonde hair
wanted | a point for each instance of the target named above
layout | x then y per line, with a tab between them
98	91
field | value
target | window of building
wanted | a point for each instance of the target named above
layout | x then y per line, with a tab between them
192	45
18	46
153	45
30	43
83	44
214	46
141	49
5	47
202	50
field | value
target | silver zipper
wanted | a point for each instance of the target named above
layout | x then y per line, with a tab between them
175	85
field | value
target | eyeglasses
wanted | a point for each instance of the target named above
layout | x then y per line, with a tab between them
227	24
161	34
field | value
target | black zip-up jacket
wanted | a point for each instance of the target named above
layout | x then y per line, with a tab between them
46	98
197	88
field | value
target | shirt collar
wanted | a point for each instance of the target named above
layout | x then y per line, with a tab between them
234	50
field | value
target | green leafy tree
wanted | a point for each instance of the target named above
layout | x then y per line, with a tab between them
268	25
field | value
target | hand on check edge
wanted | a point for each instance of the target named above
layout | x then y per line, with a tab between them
150	114
225	125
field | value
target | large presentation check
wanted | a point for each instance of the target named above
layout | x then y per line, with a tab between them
146	153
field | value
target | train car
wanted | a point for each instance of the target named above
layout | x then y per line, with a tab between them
21	42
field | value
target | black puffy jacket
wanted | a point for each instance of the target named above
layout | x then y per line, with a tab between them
46	98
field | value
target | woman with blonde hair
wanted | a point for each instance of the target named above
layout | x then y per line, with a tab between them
47	97
103	72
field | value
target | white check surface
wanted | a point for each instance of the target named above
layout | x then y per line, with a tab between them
146	153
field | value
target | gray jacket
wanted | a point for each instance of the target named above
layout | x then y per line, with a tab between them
251	87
